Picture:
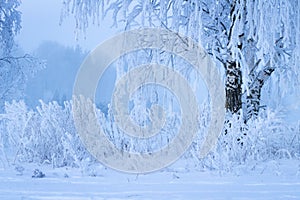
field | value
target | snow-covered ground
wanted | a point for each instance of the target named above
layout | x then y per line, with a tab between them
271	180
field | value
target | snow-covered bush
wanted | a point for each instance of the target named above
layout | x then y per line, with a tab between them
267	138
45	135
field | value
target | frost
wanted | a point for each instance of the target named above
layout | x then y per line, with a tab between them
259	39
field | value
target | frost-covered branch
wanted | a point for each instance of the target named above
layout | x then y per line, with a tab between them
14	73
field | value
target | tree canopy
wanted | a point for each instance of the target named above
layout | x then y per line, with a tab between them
250	39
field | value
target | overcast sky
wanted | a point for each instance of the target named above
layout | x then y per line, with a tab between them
40	22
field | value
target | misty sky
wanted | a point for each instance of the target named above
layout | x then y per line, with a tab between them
40	22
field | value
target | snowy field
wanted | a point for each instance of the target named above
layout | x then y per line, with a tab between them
272	180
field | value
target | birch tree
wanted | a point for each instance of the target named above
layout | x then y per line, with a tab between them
249	39
15	69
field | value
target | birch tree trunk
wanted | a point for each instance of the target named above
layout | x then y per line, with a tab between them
233	87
